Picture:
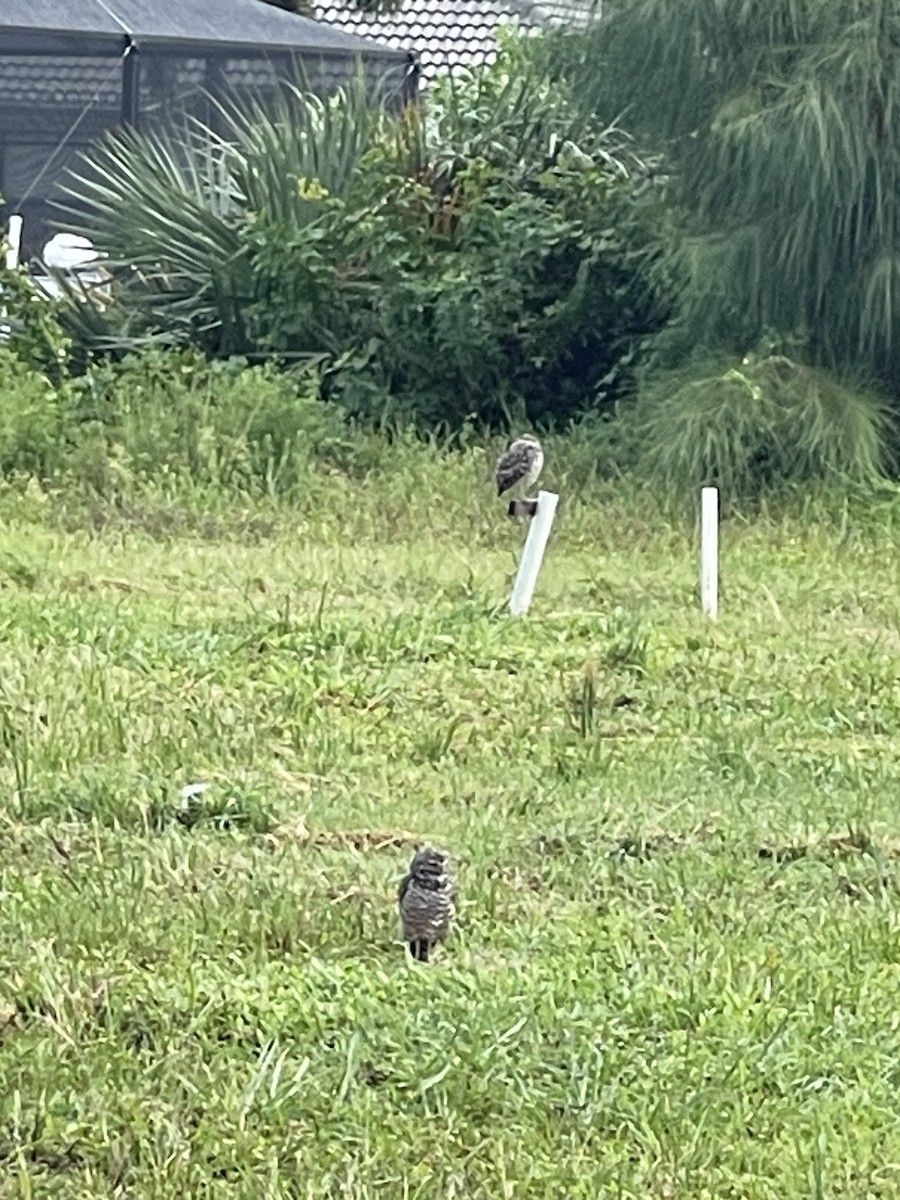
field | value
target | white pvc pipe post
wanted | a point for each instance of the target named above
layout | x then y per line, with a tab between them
11	258
533	553
709	551
14	242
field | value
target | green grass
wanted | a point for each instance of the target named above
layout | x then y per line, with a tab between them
675	971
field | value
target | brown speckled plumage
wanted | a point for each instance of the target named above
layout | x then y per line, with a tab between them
520	463
427	897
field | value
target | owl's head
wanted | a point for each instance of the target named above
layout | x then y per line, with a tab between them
429	864
528	438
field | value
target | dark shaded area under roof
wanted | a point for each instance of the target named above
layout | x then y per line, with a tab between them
72	69
95	28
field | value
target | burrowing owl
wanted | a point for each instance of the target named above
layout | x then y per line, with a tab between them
427	898
520	463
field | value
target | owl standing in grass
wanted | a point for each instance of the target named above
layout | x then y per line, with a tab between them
520	464
427	897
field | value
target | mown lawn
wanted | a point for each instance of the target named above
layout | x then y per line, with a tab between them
675	971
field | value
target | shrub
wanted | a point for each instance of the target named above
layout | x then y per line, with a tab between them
226	424
755	424
169	417
33	417
494	253
36	336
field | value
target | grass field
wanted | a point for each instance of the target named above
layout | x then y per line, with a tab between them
676	965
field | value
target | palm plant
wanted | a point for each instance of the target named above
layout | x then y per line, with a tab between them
174	211
166	211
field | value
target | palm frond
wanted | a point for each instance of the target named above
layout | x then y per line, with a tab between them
165	209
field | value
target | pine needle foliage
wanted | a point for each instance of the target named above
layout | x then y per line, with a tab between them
756	423
779	119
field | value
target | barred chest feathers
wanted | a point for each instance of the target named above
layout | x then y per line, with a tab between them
427	899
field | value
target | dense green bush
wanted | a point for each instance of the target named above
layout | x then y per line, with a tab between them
527	300
491	255
33	417
755	424
172	416
170	424
224	423
32	324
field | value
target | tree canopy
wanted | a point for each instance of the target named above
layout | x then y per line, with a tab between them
778	120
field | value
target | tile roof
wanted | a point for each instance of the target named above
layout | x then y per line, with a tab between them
449	34
101	26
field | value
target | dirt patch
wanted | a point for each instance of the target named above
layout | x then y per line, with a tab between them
648	845
55	1161
371	840
853	843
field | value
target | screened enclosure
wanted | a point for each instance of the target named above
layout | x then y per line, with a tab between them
71	69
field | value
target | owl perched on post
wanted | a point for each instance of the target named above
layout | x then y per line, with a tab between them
520	463
427	897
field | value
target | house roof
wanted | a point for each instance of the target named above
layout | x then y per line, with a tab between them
98	27
449	34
